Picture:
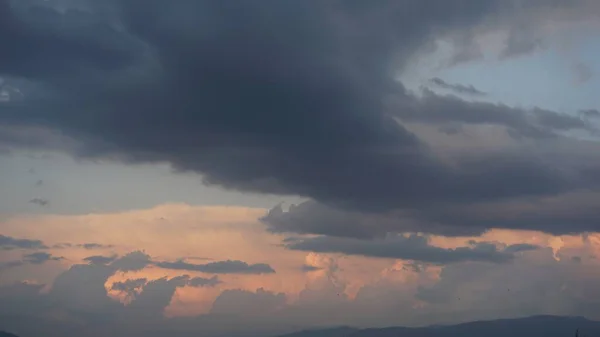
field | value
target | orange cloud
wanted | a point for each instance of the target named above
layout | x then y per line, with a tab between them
201	234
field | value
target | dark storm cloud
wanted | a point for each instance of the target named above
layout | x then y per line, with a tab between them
40	42
8	243
563	214
413	247
311	217
276	97
219	267
457	87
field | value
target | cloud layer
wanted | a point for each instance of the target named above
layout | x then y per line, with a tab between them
410	280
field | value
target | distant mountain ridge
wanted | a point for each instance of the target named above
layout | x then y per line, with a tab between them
535	326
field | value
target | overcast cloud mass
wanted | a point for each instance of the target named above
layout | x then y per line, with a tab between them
408	193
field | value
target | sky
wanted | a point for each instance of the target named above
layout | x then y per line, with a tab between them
229	168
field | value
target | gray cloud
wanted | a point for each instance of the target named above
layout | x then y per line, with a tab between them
81	289
133	261
582	72
156	296
412	247
40	257
471	290
98	259
133	287
242	302
309	268
238	107
8	243
521	41
533	123
39	201
36	258
562	214
67	44
219	267
520	247
552	290
311	217
203	282
457	87
92	245
590	113
129	286
87	246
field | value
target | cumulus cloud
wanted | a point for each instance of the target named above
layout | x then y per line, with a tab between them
241	302
156	296
398	292
81	289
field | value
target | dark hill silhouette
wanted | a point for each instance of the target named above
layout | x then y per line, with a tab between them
6	334
329	332
536	326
